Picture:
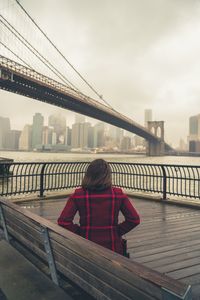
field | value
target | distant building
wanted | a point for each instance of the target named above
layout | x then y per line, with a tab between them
115	134
58	123
194	133
4	130
13	139
47	136
147	116
76	129
25	138
138	141
99	135
37	129
81	135
194	146
125	143
194	127
182	145
68	136
84	135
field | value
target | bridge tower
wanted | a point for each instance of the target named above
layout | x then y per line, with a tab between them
156	148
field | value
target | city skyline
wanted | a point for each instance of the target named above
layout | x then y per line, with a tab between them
144	55
83	134
56	135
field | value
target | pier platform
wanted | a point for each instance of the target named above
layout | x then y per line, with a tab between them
167	240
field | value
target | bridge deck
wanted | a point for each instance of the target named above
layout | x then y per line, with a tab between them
167	239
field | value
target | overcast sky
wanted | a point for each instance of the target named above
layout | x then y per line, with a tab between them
138	54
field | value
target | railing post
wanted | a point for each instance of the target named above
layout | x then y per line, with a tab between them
164	183
42	181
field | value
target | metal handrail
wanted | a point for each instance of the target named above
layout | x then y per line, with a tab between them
40	177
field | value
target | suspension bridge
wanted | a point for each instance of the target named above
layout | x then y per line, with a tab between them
19	73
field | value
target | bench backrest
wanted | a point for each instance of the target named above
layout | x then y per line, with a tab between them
97	270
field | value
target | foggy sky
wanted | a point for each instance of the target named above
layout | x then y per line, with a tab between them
139	54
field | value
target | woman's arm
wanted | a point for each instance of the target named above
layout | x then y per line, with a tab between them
132	218
67	215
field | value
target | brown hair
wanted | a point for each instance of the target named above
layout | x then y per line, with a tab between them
97	176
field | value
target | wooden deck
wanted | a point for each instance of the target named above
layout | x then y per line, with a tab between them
167	240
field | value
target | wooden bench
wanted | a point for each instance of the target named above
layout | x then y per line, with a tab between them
100	272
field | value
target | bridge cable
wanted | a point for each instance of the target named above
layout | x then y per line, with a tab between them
88	84
16	55
65	80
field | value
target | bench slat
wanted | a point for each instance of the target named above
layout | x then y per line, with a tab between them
106	269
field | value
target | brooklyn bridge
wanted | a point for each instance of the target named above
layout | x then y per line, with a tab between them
19	75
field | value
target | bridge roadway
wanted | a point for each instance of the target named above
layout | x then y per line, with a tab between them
167	240
21	80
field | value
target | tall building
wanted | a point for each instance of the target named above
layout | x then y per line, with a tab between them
47	135
58	123
147	116
116	134
76	129
99	135
125	144
4	130
68	136
37	129
194	127
84	135
194	133
81	135
25	138
13	139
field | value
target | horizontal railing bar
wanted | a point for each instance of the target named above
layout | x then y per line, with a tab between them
32	177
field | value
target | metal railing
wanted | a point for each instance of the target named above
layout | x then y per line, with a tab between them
38	177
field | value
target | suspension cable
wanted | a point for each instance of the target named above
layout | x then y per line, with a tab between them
16	55
29	46
77	72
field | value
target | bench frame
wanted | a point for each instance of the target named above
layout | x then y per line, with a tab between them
100	272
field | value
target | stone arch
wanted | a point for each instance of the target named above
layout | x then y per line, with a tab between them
157	128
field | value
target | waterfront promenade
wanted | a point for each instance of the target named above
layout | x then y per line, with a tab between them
167	239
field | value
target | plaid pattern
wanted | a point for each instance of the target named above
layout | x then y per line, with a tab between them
99	211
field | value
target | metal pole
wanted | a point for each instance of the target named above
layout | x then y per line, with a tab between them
42	181
164	183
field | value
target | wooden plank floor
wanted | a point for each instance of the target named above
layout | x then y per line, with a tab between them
167	240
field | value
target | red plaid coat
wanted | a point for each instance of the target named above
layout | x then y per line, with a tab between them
98	211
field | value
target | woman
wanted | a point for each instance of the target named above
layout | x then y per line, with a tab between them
99	204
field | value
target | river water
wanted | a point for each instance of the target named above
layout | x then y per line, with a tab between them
68	157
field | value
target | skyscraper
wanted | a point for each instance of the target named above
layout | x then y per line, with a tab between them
81	135
37	129
99	135
147	116
58	122
4	130
76	129
194	127
25	138
194	133
13	139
